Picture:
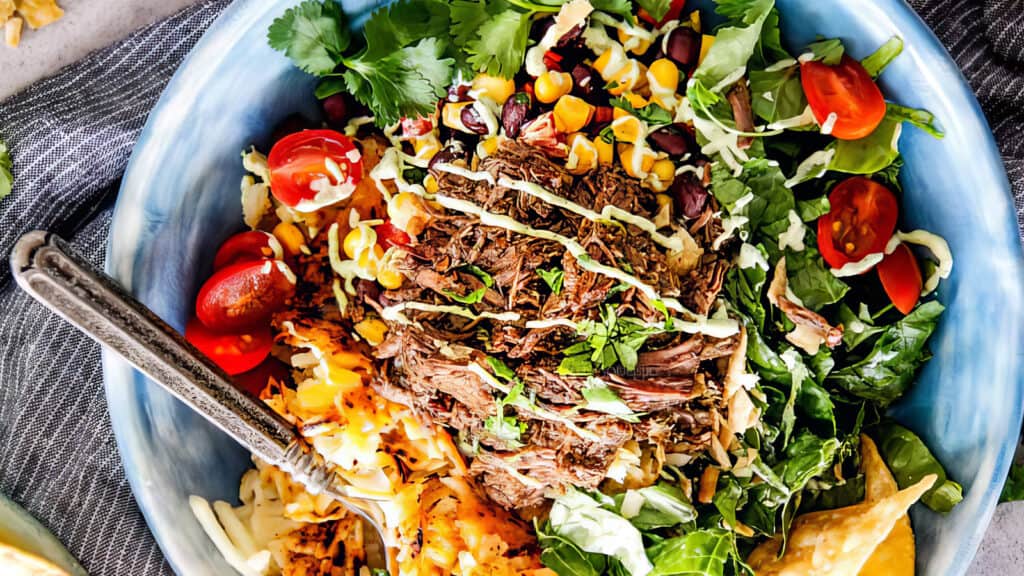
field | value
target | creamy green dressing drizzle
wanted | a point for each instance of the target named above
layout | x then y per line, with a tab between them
394	313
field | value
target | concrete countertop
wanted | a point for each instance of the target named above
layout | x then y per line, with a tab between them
92	24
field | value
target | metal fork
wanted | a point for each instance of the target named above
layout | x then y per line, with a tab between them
45	267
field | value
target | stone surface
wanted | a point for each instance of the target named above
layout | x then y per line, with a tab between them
87	25
92	24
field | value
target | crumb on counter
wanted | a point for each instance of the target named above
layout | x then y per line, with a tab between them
36	13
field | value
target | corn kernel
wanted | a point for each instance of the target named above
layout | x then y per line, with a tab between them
426	146
390	279
430	184
582	154
637	161
663	76
627	79
611	56
635	100
316	396
488	146
663	172
451	115
663	200
494	87
605	152
368	260
290	237
636	41
407	212
372	330
628	128
572	114
706	41
358	240
551	86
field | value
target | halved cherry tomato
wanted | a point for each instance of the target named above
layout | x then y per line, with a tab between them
235	353
674	10
860	222
901	278
302	169
416	126
244	295
255	380
389	235
846	90
247	246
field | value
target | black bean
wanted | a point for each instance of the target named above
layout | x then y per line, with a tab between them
689	195
683	47
514	113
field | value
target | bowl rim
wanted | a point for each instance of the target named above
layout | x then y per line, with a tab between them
120	379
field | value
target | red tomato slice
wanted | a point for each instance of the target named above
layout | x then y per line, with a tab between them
846	90
247	246
244	295
314	168
674	10
419	126
389	235
234	353
255	380
901	278
861	221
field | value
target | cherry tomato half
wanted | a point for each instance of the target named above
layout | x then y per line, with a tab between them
674	10
234	353
860	222
244	295
314	168
846	90
247	246
389	235
418	126
901	278
255	380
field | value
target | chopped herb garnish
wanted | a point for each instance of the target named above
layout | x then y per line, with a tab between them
651	113
553	278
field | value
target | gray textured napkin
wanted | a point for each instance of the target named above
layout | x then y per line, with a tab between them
71	136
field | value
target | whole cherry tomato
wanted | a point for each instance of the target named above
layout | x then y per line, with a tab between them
314	168
234	352
247	246
861	221
901	278
243	296
847	91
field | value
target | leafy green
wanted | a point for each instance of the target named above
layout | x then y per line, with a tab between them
664	506
827	51
743	285
314	35
759	193
565	558
859	328
6	177
698	553
582	520
910	460
733	47
816	403
729	497
869	154
777	94
601	398
621	8
651	113
501	370
1013	490
887	370
838	495
879	59
921	119
655	8
553	278
811	210
492	33
471	298
807	456
507	428
810	279
403	23
610	341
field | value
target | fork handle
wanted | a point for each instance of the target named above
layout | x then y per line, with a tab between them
45	267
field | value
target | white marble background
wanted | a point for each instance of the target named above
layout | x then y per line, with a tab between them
92	24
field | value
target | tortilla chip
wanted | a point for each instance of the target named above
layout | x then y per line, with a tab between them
836	542
895	555
6	10
39	13
18	563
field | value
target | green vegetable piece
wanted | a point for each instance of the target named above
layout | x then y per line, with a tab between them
601	398
888	369
402	23
876	63
6	177
501	370
500	43
917	117
807	456
655	8
734	45
313	35
699	553
664	506
582	520
565	558
910	460
651	113
810	279
472	298
778	94
553	278
729	497
1013	490
828	52
847	493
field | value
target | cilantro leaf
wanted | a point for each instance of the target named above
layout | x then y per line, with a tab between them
500	43
471	298
655	8
403	23
313	35
553	278
622	8
6	177
404	83
651	113
468	16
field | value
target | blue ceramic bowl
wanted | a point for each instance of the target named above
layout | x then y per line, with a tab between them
180	199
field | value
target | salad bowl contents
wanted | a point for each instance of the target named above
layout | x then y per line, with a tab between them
584	287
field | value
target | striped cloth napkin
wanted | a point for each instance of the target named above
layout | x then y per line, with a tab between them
71	136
